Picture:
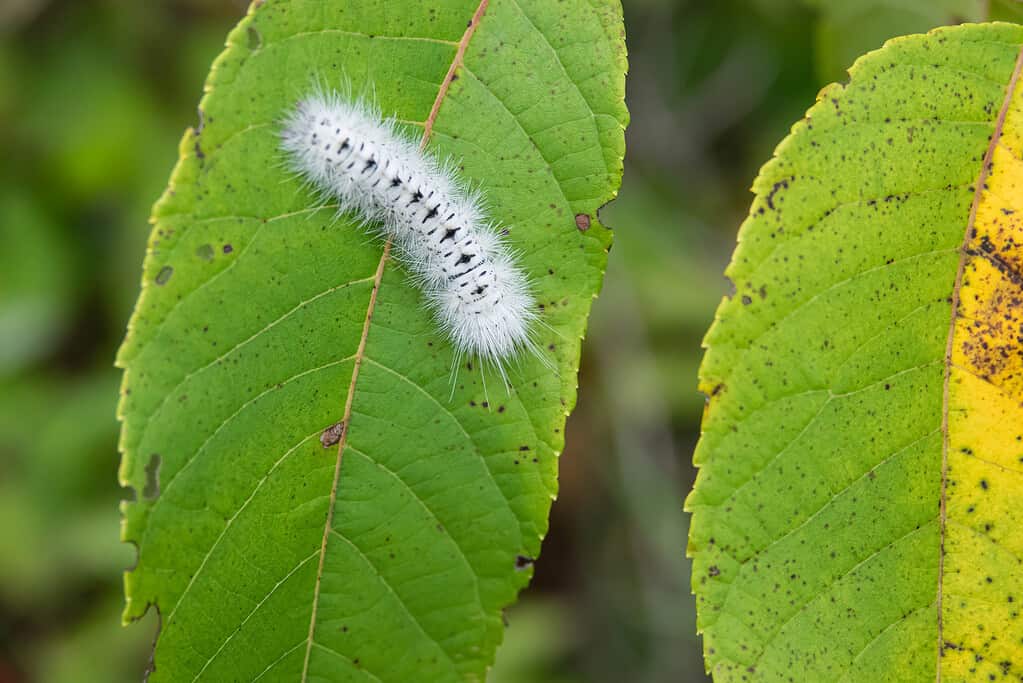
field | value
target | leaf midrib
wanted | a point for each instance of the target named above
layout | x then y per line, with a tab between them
985	170
442	92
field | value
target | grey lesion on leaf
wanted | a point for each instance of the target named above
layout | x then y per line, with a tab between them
255	38
164	275
152	487
205	252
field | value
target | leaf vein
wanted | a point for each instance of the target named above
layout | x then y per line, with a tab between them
401	601
224	423
244	621
802	608
159	408
430	512
230	522
334	652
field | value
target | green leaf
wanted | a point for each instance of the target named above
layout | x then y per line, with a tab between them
856	513
391	555
848	29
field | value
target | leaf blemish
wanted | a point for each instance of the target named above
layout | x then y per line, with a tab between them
523	562
152	488
331	436
255	39
775	189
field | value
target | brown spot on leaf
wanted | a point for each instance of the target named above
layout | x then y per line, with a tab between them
331	436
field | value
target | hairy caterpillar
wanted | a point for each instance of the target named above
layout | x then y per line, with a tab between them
478	295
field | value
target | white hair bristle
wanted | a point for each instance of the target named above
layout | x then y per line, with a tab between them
470	281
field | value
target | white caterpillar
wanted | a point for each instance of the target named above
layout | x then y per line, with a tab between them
478	295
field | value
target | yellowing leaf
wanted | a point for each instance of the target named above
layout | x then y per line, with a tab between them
857	511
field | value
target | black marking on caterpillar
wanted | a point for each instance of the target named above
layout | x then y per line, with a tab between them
477	293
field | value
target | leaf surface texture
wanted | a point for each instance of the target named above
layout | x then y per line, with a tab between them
312	502
856	513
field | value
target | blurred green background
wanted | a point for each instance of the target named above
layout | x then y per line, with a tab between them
94	95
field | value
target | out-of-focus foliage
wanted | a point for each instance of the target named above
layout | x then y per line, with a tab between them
846	29
1006	10
94	95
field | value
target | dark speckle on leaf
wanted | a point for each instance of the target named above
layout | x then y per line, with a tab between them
523	562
